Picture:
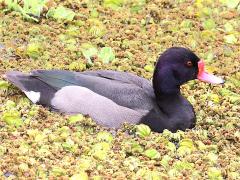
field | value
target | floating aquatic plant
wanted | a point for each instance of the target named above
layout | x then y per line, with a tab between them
80	176
106	54
52	146
60	14
231	39
75	118
143	130
152	153
4	85
30	10
114	4
34	50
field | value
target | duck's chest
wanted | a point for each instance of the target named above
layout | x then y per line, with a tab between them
175	114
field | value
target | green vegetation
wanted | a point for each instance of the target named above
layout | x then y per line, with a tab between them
36	143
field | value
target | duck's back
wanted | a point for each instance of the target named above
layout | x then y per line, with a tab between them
106	96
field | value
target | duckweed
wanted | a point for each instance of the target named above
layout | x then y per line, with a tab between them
119	35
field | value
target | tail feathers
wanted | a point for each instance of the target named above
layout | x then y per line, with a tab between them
17	78
36	90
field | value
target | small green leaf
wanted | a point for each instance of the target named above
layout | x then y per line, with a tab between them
61	13
34	7
97	31
143	130
171	146
106	54
182	165
34	50
75	118
149	68
80	176
88	51
69	145
214	174
165	161
57	171
152	153
187	143
230	3
94	13
105	136
3	150
209	24
113	4
233	97
186	24
100	150
3	85
228	27
231	39
12	118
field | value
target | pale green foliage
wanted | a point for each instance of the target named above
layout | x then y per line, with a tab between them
106	54
143	130
230	3
30	8
61	13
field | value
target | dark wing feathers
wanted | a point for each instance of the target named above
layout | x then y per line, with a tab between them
55	78
125	89
29	83
61	78
124	77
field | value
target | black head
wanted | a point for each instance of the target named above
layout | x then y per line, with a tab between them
175	66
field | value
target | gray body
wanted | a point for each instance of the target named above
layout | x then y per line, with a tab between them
109	97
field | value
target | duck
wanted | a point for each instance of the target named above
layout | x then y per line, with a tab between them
112	98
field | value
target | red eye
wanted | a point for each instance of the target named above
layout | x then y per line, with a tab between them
189	63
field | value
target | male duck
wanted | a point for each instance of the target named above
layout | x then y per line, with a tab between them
112	97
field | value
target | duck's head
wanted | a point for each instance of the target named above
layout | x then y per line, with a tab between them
176	66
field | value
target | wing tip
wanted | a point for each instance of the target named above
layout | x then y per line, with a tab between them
15	78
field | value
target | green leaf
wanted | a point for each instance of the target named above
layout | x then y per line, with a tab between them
100	150
12	118
143	130
106	54
137	6
94	13
233	97
149	68
105	136
231	39
181	165
14	6
209	24
57	171
152	153
34	50
75	118
3	85
69	145
113	4
228	27
80	176
186	24
214	174
34	7
61	13
88	51
230	3
97	31
165	161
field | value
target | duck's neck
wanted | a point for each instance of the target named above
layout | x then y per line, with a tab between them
165	85
167	92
